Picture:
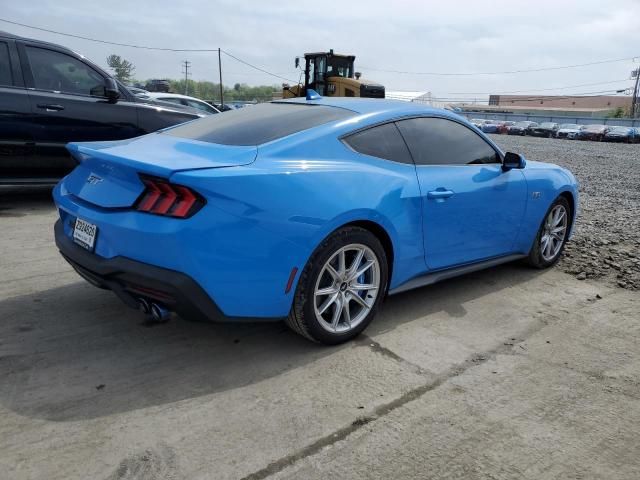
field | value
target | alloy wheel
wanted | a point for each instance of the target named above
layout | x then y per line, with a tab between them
554	232
347	288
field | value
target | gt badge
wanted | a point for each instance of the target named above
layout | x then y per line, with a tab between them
93	179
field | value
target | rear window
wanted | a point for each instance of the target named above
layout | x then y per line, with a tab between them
258	124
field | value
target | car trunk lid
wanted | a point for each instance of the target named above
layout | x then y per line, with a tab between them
108	174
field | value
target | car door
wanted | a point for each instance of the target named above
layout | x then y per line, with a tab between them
471	208
68	104
15	113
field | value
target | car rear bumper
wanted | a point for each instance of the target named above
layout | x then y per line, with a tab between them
132	280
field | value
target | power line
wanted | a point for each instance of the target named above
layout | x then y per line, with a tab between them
469	74
258	68
144	47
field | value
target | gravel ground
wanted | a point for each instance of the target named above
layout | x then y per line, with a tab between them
606	243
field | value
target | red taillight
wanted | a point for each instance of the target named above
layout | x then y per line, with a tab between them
164	198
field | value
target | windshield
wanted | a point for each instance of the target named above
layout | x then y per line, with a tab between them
258	124
339	67
570	126
620	129
594	127
548	125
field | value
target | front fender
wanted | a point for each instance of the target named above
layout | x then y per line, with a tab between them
545	183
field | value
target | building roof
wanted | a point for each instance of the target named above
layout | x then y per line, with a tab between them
518	108
408	96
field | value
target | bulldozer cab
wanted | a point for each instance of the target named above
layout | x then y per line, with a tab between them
332	75
319	67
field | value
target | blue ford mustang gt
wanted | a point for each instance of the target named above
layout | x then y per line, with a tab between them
309	211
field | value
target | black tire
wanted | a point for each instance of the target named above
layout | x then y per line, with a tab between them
535	258
302	318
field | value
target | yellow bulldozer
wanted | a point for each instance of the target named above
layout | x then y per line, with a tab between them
332	75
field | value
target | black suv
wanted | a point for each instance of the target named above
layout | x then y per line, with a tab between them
50	96
158	86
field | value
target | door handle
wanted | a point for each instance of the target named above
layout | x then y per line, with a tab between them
439	194
50	107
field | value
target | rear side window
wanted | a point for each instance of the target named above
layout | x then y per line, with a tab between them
437	141
258	124
6	78
383	141
60	72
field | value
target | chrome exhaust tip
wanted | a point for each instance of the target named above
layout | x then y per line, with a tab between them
145	307
159	313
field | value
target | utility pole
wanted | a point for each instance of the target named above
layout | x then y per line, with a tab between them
186	64
635	101
220	70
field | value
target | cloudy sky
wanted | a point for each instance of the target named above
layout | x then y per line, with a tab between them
409	36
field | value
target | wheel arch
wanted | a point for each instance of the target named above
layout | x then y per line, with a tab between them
569	197
375	228
382	235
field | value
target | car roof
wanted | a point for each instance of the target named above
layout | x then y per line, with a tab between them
9	35
13	36
373	106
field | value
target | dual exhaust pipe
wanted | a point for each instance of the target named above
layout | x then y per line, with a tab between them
156	311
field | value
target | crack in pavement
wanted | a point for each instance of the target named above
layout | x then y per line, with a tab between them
470	362
365	341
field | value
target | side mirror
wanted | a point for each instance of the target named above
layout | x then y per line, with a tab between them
297	62
111	90
513	160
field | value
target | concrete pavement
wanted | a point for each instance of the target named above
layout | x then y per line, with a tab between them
507	373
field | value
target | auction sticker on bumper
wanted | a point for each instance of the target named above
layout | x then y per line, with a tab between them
84	234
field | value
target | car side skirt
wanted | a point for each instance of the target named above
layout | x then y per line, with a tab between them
437	276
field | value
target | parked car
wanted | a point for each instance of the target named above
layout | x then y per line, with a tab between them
51	96
157	85
593	132
568	130
220	107
520	128
622	134
545	129
138	92
503	127
184	101
490	127
479	122
314	204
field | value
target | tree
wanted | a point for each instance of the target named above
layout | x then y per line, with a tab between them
616	113
211	91
122	68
